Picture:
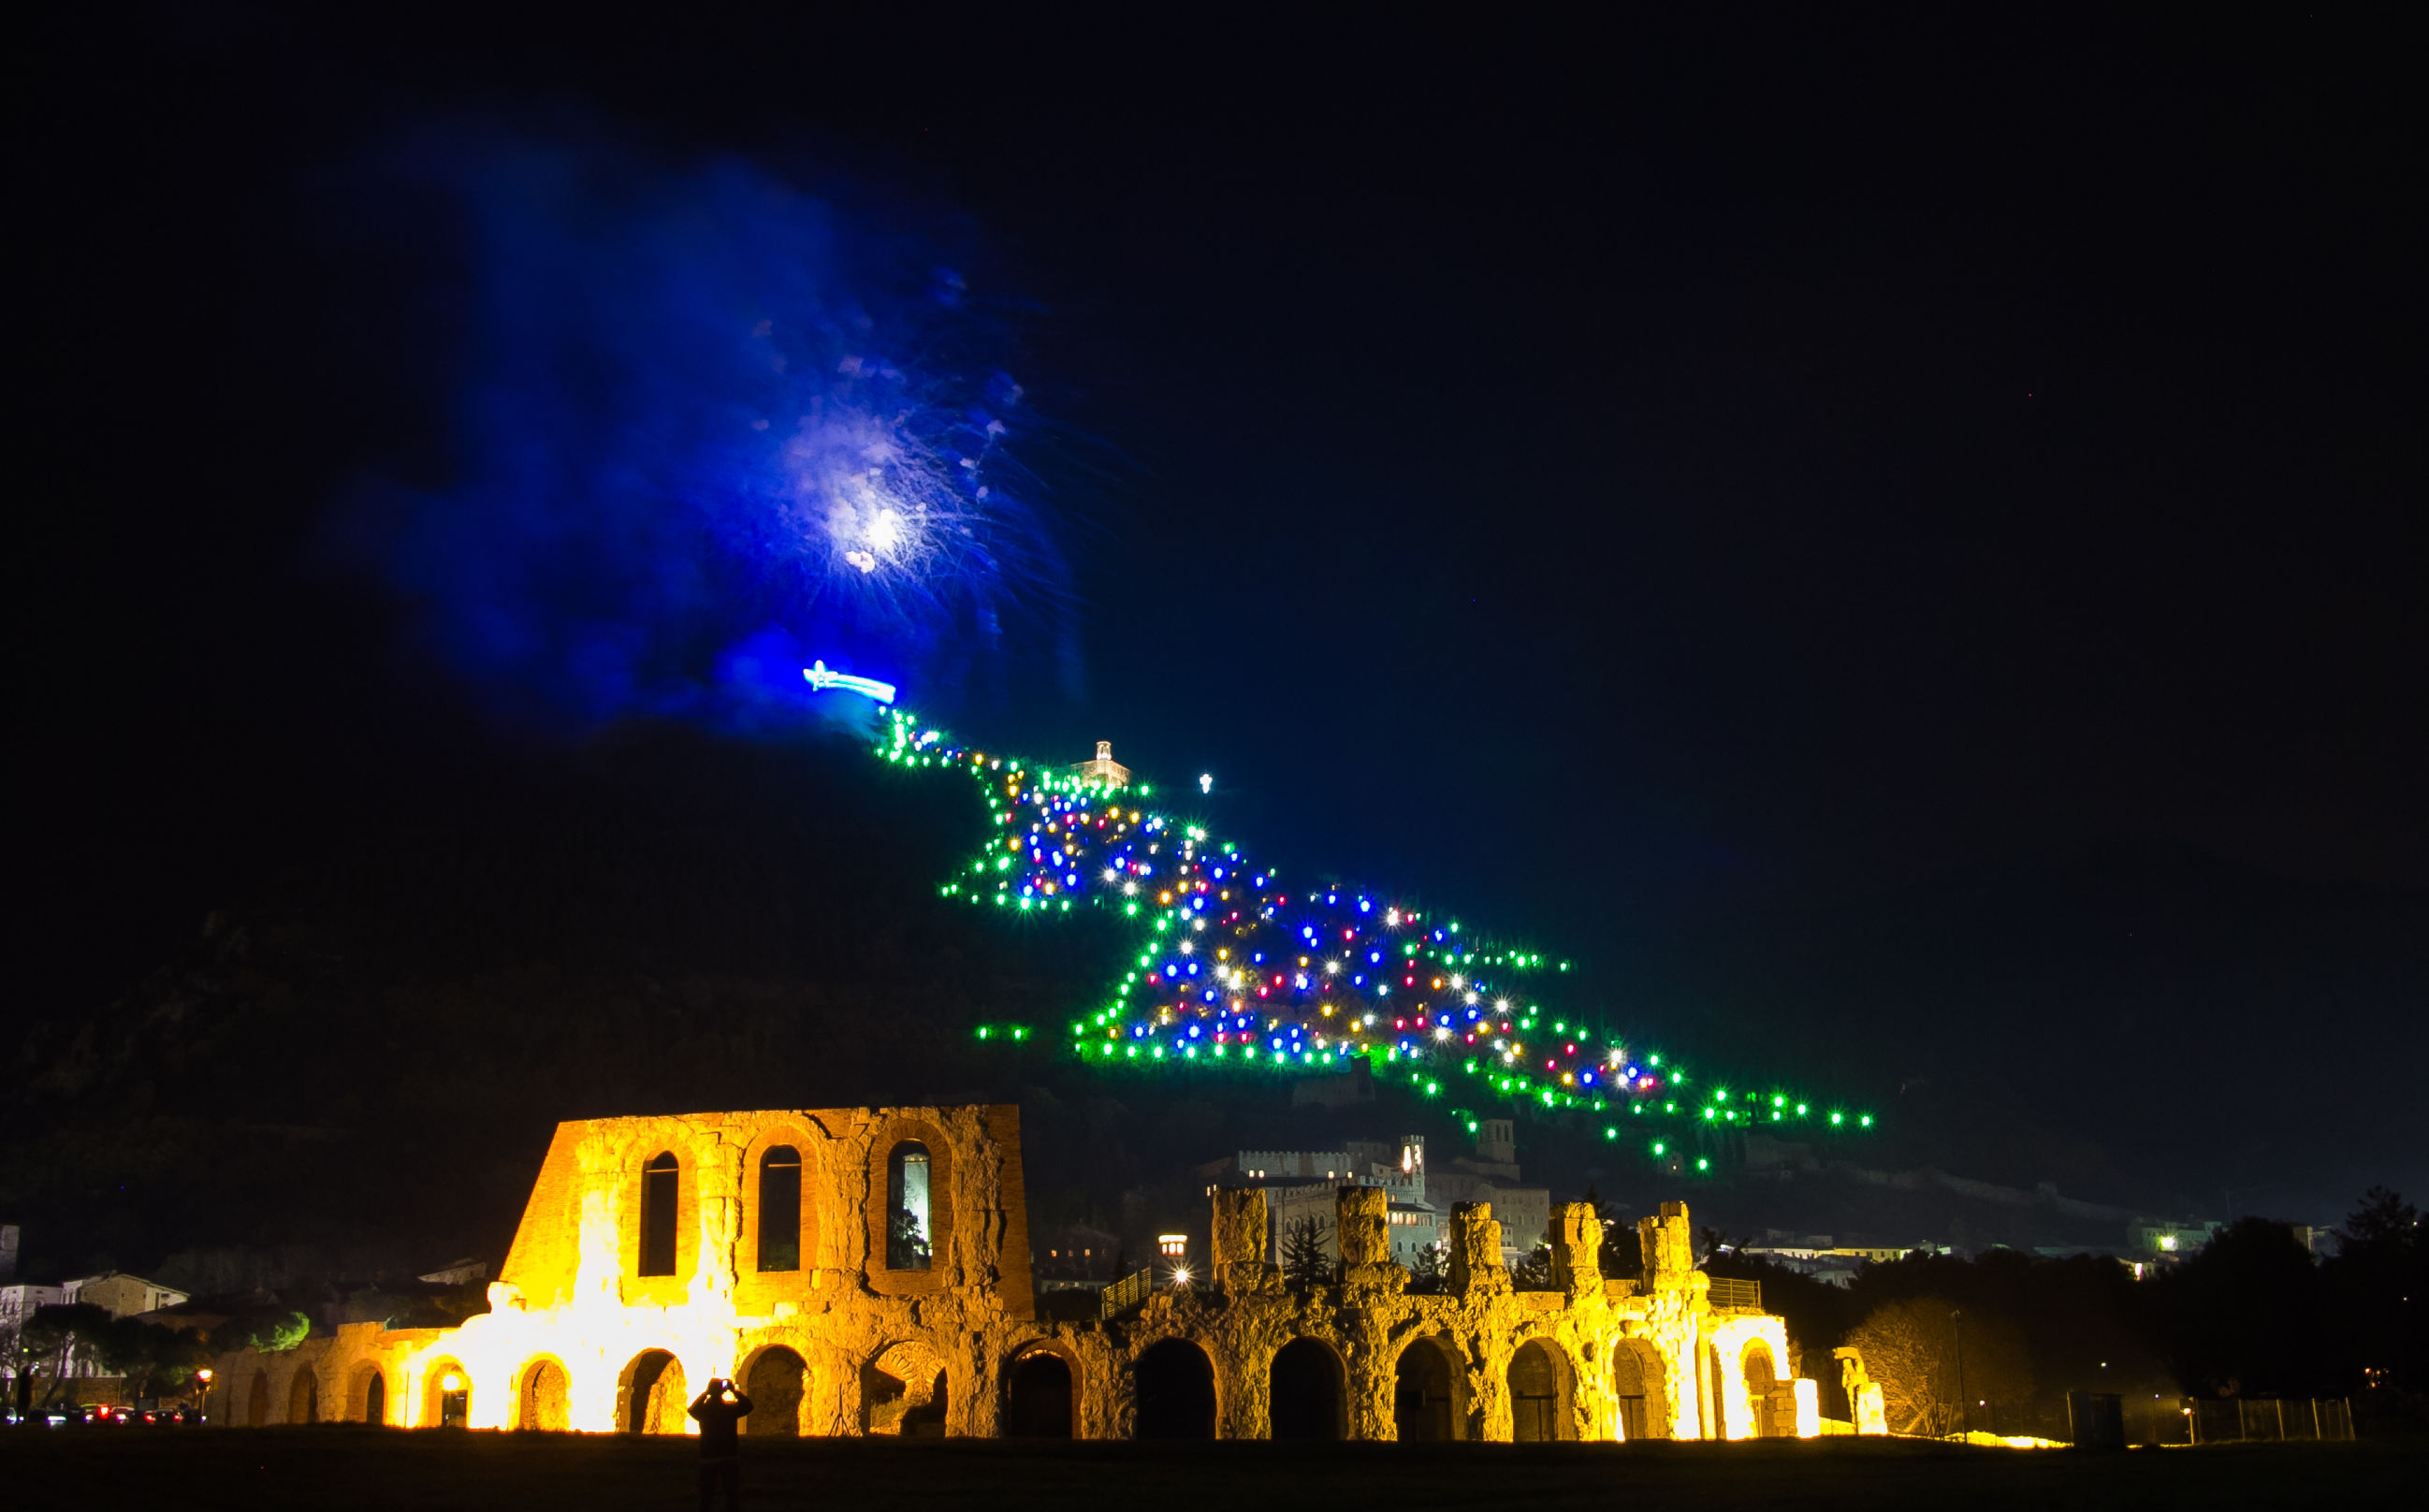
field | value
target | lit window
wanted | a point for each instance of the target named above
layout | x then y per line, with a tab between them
907	1230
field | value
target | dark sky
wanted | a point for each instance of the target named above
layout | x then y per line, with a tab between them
1637	481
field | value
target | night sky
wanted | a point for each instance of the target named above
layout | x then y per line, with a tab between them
1895	535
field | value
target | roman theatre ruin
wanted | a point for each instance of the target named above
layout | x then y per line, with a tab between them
771	1248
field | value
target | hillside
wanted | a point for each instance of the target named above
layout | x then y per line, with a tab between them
355	1068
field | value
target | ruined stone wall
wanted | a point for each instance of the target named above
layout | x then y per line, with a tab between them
577	1338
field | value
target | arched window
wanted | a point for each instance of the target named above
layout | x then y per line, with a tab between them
376	1399
774	1385
1639	1380
447	1397
661	1181
907	1226
545	1395
1306	1393
1424	1407
1761	1382
303	1397
1538	1408
1174	1384
779	1209
1038	1397
650	1394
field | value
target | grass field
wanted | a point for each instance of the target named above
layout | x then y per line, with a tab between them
269	1468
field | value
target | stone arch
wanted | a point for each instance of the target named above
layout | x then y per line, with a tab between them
894	1140
1541	1389
446	1394
1430	1391
543	1395
649	1394
1761	1377
1640	1382
1041	1394
256	1400
904	1390
367	1396
1308	1392
303	1396
776	1379
1172	1383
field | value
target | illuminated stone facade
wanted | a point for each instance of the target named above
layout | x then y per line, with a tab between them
771	1248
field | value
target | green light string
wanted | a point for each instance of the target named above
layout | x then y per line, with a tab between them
1230	966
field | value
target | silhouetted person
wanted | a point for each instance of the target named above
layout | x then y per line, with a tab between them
718	1409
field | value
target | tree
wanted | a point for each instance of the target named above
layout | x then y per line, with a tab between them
2384	1224
906	1245
1932	1357
2243	1314
1534	1273
1622	1254
1305	1260
2377	1284
147	1353
1430	1273
269	1332
1903	1344
48	1339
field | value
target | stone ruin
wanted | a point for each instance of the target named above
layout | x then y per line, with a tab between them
786	1250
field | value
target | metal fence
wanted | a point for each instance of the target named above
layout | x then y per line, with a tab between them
2266	1420
1124	1295
1728	1291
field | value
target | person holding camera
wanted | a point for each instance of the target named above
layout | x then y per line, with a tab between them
718	1409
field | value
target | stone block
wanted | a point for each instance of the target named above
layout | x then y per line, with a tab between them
1361	1219
1476	1250
1239	1228
1576	1248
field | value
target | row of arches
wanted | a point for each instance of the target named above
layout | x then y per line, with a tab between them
1308	1394
907	1227
365	1398
904	1391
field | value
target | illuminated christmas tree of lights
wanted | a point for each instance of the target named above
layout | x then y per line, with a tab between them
1232	965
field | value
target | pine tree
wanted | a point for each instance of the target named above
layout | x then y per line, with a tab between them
1305	1262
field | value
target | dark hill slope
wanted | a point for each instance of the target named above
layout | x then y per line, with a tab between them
367	1055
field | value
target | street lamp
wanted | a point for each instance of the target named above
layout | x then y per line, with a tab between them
1957	1332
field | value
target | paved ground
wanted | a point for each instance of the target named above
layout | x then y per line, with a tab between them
268	1470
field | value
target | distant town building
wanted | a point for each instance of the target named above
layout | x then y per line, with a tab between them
2169	1239
1103	768
121	1295
1301	1184
17	1302
1832	1264
1491	1174
1077	1258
